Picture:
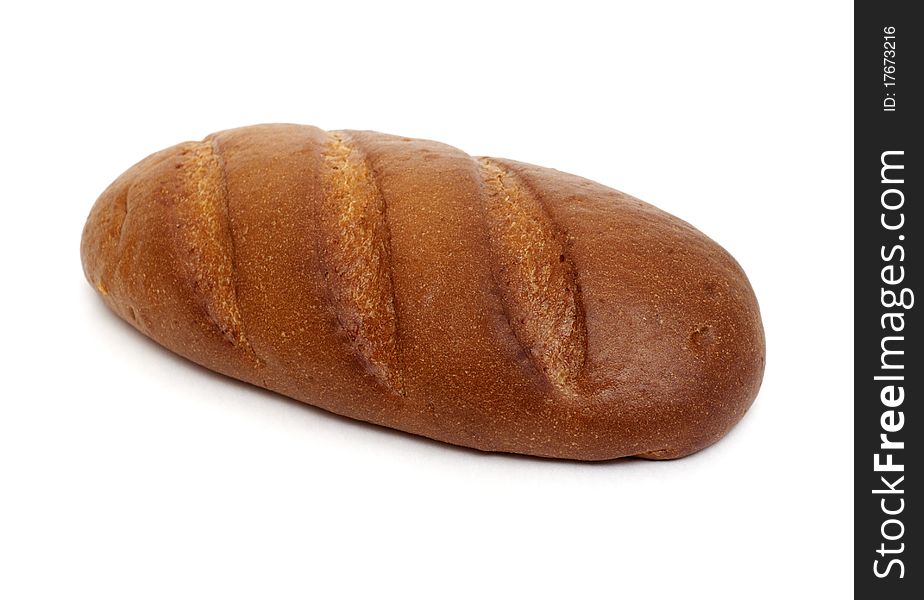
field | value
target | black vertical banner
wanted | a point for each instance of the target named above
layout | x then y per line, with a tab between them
888	265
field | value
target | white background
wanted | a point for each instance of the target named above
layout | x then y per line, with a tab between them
126	472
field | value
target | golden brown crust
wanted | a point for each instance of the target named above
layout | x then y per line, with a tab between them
486	303
355	254
536	278
206	247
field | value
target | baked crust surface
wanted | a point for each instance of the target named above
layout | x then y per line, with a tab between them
479	301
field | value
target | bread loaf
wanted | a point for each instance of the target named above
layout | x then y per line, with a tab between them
479	301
